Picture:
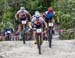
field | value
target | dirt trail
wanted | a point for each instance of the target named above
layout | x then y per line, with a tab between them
16	49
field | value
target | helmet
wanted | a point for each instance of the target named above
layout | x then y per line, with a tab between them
50	9
37	14
22	8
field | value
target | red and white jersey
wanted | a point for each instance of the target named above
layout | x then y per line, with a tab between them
40	19
22	12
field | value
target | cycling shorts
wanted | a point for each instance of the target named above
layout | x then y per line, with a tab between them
47	19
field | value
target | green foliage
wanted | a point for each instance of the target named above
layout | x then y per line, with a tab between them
66	14
67	35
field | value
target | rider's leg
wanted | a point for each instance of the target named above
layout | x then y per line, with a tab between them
42	36
19	30
19	27
34	35
45	35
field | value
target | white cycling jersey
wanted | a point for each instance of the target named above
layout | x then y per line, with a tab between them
21	12
34	19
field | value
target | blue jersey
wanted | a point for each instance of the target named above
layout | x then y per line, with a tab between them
49	15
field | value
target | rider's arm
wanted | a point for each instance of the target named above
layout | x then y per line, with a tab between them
45	24
30	23
43	20
57	18
28	14
43	15
30	20
16	16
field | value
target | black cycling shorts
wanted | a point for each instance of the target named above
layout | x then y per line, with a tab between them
47	19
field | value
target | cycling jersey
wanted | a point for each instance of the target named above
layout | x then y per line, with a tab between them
40	19
49	16
22	13
35	23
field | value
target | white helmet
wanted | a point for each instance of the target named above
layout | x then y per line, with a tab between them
37	14
22	8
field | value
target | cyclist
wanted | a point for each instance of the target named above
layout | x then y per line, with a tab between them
37	17
22	14
49	15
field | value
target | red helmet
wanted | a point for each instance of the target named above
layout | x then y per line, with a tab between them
50	9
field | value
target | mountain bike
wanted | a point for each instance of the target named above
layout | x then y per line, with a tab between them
50	29
39	31
24	31
38	38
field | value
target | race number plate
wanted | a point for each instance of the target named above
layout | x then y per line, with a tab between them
51	24
24	22
8	31
38	30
